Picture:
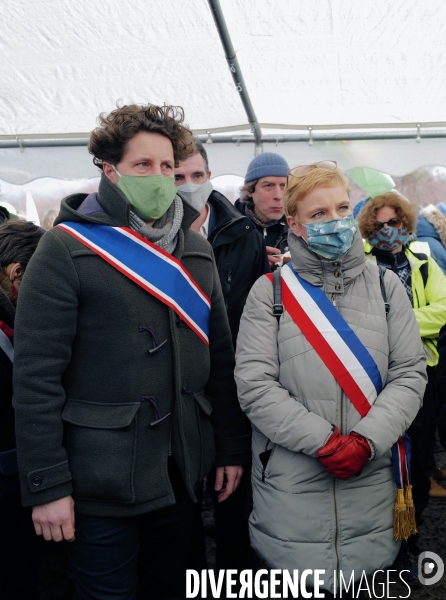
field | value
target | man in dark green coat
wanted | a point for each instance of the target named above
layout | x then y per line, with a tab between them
121	407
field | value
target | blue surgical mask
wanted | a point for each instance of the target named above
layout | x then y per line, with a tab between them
389	238
331	239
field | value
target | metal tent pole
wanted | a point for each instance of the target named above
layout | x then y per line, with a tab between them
234	67
231	135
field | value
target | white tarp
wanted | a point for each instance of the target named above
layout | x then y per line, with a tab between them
309	63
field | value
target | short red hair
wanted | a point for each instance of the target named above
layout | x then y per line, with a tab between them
299	187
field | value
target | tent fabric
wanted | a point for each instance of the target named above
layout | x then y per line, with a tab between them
307	63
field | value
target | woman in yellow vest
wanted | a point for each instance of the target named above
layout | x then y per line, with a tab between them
387	223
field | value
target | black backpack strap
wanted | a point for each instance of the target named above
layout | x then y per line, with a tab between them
424	269
277	291
382	271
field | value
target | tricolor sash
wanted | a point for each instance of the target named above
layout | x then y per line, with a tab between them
353	367
150	267
335	342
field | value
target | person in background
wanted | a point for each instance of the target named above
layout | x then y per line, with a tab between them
386	223
19	557
323	481
7	212
241	259
358	206
124	360
431	228
4	214
261	199
238	247
441	379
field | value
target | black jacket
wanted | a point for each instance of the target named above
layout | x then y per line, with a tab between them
441	385
239	253
87	390
7	438
275	235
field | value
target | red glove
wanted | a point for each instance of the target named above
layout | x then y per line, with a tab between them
344	455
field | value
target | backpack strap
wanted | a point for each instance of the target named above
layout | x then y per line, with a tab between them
424	269
382	271
277	291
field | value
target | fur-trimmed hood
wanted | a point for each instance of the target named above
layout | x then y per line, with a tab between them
436	219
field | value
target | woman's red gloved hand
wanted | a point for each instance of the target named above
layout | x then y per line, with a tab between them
344	455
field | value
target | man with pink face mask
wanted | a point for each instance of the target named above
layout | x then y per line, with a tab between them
261	199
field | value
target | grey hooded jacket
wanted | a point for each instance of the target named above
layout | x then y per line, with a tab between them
303	517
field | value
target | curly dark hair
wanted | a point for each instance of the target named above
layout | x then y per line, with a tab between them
406	211
18	242
108	141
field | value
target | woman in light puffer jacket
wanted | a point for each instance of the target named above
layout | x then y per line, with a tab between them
323	481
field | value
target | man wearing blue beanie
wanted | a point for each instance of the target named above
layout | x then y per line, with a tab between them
261	199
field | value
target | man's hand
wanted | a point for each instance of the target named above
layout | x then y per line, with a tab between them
227	480
55	520
273	259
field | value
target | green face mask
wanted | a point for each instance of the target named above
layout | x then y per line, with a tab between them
149	195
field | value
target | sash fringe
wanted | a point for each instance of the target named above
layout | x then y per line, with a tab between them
404	524
410	510
400	517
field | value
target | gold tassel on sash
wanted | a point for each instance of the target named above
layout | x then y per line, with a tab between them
412	526
400	517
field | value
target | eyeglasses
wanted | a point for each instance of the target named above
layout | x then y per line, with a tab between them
305	169
395	222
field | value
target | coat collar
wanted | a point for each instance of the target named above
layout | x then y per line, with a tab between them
331	275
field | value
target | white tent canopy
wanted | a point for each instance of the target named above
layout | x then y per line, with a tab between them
341	71
305	63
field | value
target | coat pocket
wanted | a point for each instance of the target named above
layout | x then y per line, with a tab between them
101	442
206	429
266	457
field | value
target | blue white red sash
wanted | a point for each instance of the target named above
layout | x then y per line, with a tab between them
354	369
335	342
347	359
401	457
150	267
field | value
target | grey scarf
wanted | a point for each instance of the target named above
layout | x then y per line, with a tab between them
249	211
164	232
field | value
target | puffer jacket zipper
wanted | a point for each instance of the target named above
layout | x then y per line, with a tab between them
336	525
341	429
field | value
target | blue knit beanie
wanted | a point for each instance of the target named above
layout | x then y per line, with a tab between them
267	164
